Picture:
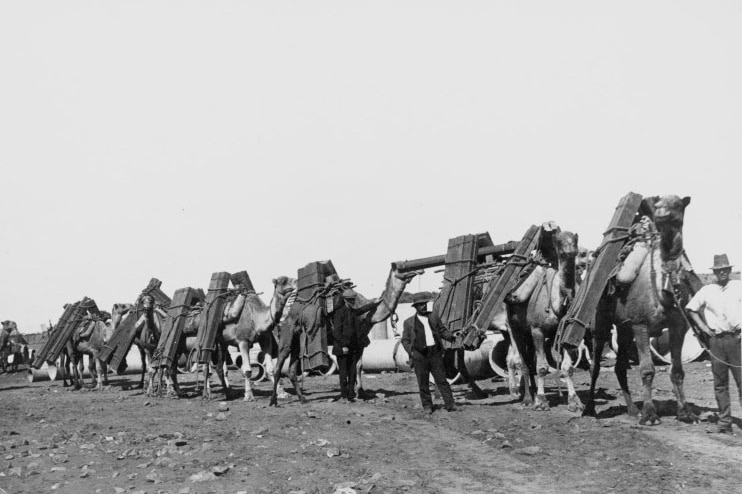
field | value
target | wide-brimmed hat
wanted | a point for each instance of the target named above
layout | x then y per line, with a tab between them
721	261
421	298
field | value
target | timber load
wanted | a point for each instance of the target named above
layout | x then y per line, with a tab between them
499	286
211	319
172	330
117	347
581	314
317	285
73	315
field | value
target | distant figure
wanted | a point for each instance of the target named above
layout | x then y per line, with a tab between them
717	310
422	338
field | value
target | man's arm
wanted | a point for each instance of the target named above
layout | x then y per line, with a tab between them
437	325
694	308
407	338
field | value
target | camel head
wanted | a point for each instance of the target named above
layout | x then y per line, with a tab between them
669	212
583	260
566	245
283	287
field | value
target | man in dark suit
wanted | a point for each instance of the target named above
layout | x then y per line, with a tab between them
349	341
422	339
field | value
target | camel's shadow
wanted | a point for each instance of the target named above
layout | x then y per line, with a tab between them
664	408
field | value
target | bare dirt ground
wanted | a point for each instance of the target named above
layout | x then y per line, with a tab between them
117	440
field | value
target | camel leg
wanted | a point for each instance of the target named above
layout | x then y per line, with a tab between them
221	373
294	371
145	366
101	373
357	387
515	371
573	401
79	365
151	371
270	371
624	337
646	368
284	349
246	369
521	337
677	330
542	369
206	395
600	336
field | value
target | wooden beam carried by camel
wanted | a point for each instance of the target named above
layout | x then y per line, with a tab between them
63	330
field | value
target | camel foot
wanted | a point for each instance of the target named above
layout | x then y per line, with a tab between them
686	414
649	416
589	410
574	404
273	402
632	410
542	404
249	397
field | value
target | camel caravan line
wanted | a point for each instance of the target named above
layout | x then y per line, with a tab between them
551	301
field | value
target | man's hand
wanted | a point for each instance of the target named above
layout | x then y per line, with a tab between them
346	350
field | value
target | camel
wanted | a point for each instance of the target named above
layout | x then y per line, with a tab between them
248	320
89	342
147	333
536	307
310	316
642	307
11	344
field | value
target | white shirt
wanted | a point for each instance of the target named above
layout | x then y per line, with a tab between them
721	306
429	340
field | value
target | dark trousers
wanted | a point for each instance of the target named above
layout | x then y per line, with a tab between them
425	363
726	348
347	373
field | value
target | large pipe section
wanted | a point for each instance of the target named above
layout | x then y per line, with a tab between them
435	261
49	372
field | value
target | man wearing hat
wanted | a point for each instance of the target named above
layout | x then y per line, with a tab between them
717	310
349	340
421	338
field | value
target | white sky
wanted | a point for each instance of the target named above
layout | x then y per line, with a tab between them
175	139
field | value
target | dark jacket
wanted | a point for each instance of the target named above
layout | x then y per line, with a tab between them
413	335
348	330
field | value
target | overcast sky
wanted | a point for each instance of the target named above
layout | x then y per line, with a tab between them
175	139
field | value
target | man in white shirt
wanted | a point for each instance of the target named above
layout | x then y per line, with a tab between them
421	339
717	310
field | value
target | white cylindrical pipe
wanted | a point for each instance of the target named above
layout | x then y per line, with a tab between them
691	351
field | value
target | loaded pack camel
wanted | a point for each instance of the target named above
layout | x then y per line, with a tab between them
248	320
536	307
653	285
93	333
147	328
309	316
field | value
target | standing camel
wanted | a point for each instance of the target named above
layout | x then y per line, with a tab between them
310	317
536	307
90	342
651	299
247	320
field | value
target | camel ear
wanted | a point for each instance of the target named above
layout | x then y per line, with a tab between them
274	281
686	201
577	239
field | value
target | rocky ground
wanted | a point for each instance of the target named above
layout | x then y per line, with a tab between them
119	441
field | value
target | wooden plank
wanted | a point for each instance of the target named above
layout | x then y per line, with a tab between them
153	289
241	278
59	330
172	330
454	303
212	316
581	313
498	288
115	350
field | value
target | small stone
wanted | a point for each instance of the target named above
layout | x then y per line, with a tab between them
202	476
15	471
535	426
146	403
221	416
529	451
118	490
499	435
185	490
506	444
259	432
153	477
220	470
131	476
59	469
9	457
333	452
180	442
